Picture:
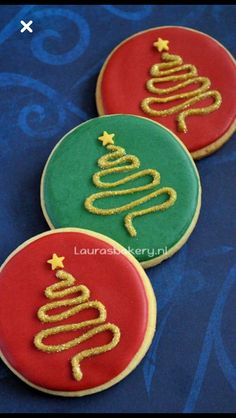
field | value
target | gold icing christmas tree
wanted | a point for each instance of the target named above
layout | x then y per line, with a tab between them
171	70
117	161
67	287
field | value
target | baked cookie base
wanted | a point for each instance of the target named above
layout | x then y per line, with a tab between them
198	154
157	260
151	322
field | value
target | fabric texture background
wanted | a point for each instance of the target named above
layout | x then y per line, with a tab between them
47	85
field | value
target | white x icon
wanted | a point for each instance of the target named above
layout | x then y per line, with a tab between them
26	26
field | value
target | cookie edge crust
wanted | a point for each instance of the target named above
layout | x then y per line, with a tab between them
199	153
151	322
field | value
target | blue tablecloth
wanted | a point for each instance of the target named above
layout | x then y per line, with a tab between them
47	85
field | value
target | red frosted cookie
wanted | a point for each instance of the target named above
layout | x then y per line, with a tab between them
77	312
179	77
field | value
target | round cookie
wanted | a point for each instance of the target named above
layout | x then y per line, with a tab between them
128	178
179	77
65	297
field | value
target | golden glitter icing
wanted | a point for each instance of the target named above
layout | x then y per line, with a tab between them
109	165
75	305
165	72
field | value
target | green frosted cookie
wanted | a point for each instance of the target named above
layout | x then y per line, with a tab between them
125	177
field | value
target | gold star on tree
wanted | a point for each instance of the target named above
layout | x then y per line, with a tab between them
161	45
56	262
106	138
